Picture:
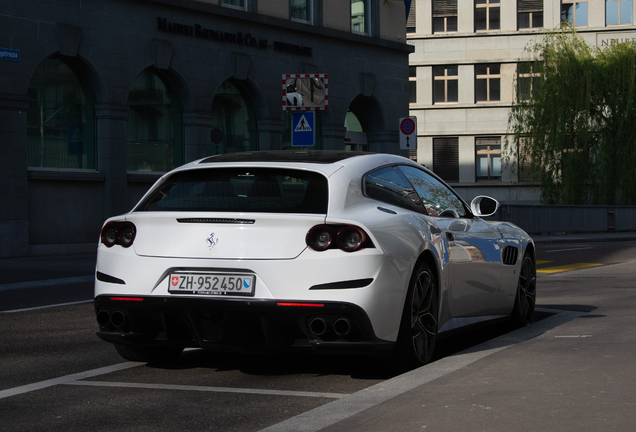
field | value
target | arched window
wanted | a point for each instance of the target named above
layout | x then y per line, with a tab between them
356	134
234	127
61	117
154	129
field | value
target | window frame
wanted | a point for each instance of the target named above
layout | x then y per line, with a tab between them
312	14
532	8
574	4
618	12
412	85
489	6
443	9
532	75
488	152
367	16
446	78
224	3
489	78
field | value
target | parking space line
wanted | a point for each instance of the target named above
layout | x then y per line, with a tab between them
207	389
48	306
46	283
67	379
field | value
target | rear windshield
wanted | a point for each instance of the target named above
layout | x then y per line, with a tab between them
261	190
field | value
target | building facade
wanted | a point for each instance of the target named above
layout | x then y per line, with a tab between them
470	65
99	98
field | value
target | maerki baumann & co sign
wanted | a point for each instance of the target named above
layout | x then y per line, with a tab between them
239	38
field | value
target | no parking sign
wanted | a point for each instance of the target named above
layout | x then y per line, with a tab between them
408	133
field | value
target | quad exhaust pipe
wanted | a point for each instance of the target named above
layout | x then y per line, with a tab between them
342	327
115	319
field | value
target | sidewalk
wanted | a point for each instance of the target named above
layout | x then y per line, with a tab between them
571	372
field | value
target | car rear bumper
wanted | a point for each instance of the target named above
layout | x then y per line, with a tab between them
252	325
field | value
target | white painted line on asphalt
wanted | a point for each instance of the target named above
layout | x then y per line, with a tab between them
343	408
564	250
47	306
208	389
46	283
67	379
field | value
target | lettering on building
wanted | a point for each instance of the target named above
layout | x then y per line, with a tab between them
238	38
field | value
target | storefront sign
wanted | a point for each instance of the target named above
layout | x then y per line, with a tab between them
238	38
604	40
9	54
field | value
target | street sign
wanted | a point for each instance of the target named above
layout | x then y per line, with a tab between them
9	54
408	133
303	129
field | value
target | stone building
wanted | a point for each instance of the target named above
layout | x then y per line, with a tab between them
469	57
98	98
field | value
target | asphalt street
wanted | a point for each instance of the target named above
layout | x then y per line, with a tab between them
572	370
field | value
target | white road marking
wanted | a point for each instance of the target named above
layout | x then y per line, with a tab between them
208	389
47	306
565	250
338	410
67	379
46	283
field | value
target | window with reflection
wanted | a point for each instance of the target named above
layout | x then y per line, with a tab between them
302	11
236	4
436	197
391	186
154	129
360	19
574	12
60	118
618	12
488	158
234	124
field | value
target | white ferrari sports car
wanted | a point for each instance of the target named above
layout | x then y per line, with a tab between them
330	251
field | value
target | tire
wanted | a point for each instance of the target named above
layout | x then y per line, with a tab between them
418	328
149	354
526	292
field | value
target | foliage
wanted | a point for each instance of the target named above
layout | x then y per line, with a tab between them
577	133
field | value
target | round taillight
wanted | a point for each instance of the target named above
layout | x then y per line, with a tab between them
118	233
127	234
320	237
351	238
109	234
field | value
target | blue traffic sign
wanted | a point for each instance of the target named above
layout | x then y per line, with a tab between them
303	130
9	54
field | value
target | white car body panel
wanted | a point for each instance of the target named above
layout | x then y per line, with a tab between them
473	284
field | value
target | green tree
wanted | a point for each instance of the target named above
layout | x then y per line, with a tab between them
576	133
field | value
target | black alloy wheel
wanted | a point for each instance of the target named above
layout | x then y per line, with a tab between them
418	329
526	292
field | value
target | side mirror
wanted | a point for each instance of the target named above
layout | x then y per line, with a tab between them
484	206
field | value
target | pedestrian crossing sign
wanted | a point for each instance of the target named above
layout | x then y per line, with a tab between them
303	129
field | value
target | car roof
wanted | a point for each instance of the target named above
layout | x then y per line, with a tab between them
306	156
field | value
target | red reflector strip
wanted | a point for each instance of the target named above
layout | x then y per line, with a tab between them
301	304
127	299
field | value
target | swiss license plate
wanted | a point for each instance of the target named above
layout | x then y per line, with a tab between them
211	284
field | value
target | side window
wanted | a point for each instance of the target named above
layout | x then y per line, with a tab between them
437	198
390	186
